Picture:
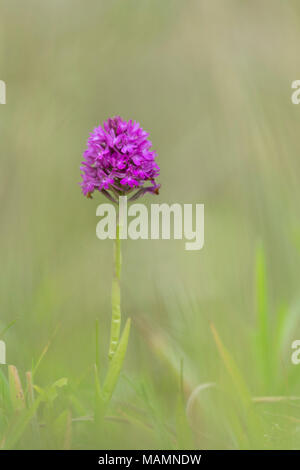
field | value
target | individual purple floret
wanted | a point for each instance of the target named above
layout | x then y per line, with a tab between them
118	161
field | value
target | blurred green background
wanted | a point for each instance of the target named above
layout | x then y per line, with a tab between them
211	82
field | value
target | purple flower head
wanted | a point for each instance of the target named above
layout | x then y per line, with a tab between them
118	161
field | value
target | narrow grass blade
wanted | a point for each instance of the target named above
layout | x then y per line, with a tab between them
5	400
183	430
99	402
16	390
280	328
68	433
232	369
161	345
2	333
63	430
274	399
16	432
249	419
194	395
44	352
30	390
97	358
263	327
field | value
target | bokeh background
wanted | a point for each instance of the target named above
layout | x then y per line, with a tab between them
211	82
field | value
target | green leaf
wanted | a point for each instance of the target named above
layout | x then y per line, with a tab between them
116	365
61	382
49	394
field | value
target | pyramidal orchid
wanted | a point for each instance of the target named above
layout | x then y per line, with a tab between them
118	161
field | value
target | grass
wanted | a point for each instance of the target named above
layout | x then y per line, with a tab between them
224	413
208	363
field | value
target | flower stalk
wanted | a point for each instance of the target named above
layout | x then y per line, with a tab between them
116	297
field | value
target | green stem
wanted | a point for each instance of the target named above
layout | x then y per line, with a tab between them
116	297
